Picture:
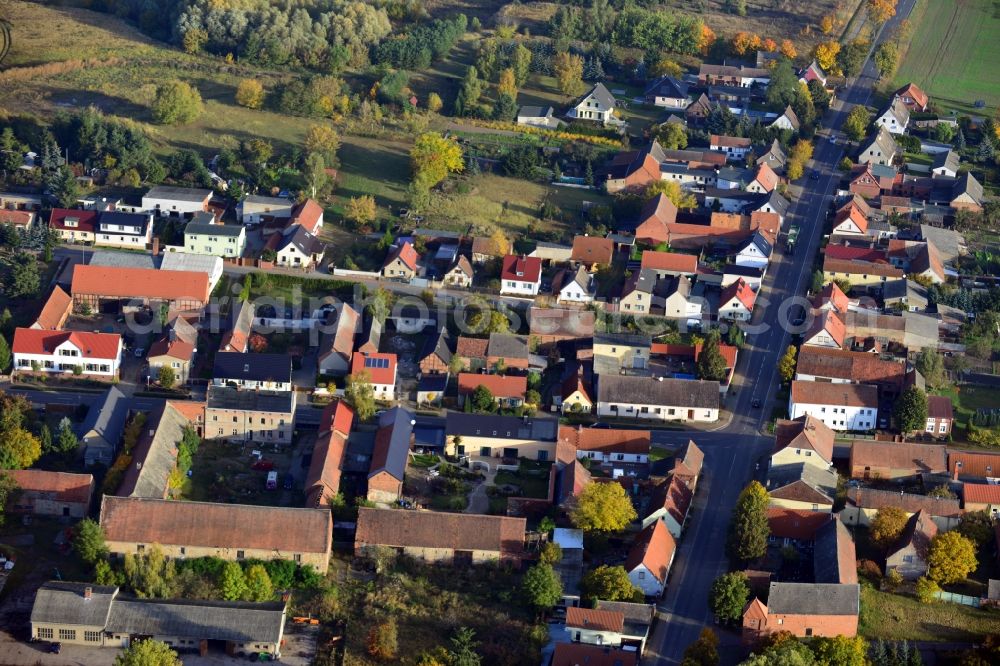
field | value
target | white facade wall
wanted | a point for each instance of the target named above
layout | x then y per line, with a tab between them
216	246
171	206
520	287
65	358
838	417
656	412
600	456
574	293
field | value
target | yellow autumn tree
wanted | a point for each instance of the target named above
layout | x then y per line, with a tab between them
881	10
788	49
250	93
673	191
826	55
826	24
706	39
507	84
769	45
664	66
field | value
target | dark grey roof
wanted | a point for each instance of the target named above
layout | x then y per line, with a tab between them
178	193
634	613
831	542
440	345
683	393
225	397
203	229
624	339
813	599
534	111
601	94
304	241
643	280
762	243
967	184
883	141
371	332
667	86
734	175
155	455
136	221
774	155
823	481
122	259
742	271
436	383
106	417
750	198
506	345
239	622
395	429
778	203
252	367
59	602
883	170
501	427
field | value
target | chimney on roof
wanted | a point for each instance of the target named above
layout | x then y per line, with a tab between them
88	593
156	245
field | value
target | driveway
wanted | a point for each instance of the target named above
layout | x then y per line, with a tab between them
479	501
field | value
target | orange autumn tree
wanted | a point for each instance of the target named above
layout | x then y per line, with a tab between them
744	42
769	45
788	49
881	10
707	39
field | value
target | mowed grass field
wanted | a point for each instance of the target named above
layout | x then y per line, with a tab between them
954	53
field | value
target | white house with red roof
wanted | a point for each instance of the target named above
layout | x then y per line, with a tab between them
94	355
381	368
813	73
650	559
402	263
764	181
309	215
74	226
736	302
850	220
520	276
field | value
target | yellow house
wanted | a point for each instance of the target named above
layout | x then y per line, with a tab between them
488	439
801	486
626	350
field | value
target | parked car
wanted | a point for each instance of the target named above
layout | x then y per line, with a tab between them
288	482
262	466
55	647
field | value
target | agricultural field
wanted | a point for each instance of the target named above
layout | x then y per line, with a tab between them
953	54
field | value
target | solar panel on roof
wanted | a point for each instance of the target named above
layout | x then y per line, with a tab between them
376	362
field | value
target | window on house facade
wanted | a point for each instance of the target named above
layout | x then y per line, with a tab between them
92	636
67	634
44	632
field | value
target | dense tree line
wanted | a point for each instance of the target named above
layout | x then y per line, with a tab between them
421	46
652	30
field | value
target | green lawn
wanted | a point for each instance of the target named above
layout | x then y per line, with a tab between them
966	399
897	617
954	52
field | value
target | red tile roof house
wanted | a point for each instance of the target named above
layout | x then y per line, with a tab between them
228	531
839	406
607	446
912	97
74	226
595	627
55	312
42	493
670	504
940	416
183	291
322	481
90	355
508	391
898	460
803	440
402	263
795	526
968	465
981	497
581	654
444	538
848	367
650	558
22	220
655	219
592	252
520	276
805	610
381	369
309	215
736	302
670	264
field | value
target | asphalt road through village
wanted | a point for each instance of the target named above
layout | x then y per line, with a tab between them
737	452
